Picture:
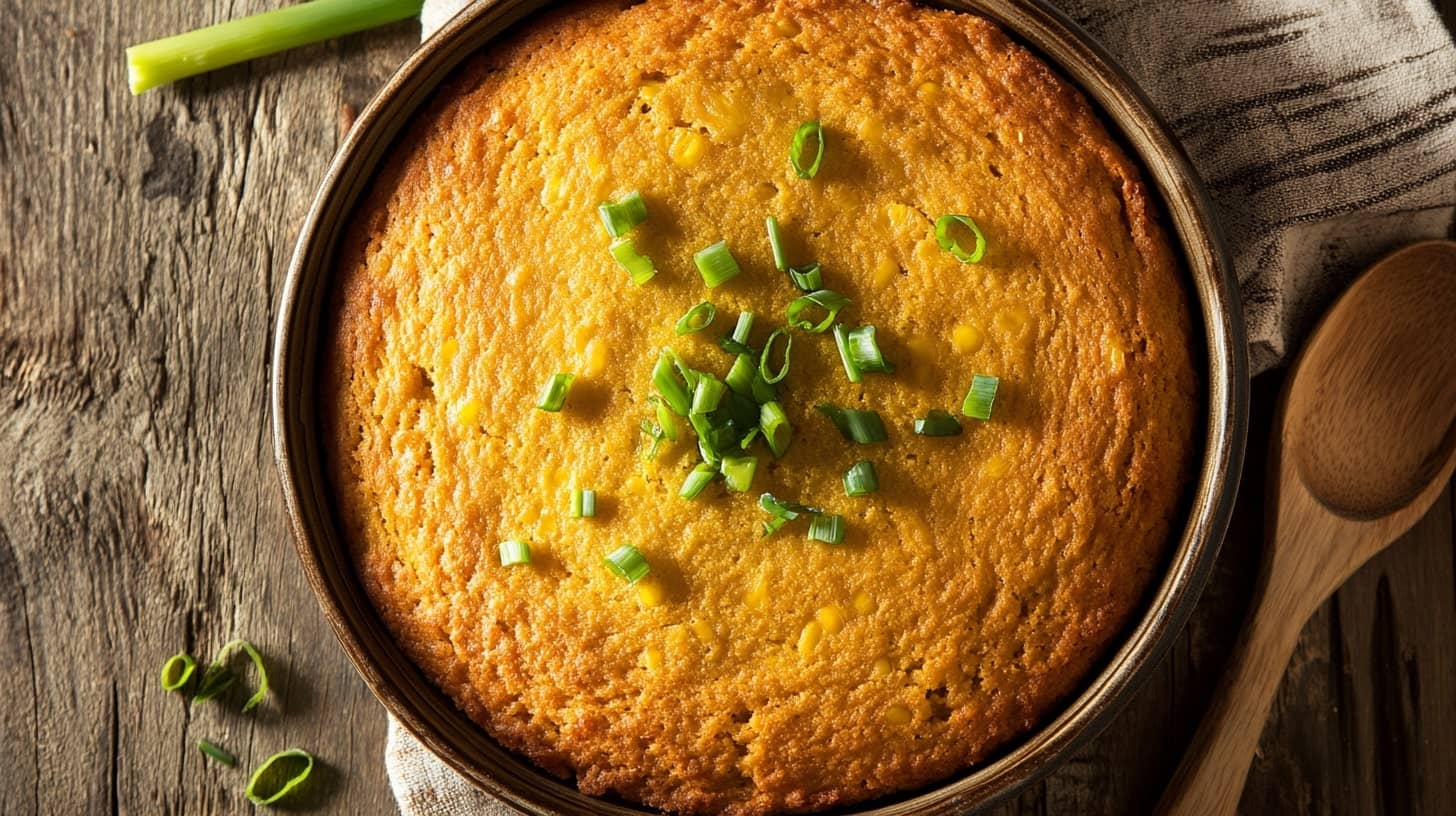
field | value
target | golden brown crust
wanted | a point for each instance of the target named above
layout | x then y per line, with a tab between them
977	588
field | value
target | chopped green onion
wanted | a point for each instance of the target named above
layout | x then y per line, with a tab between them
207	49
696	319
938	423
841	341
177	671
856	425
271	782
583	503
716	264
763	390
807	278
764	369
627	562
776	243
782	512
218	677
514	552
553	396
638	266
668	384
738	472
860	479
810	135
980	397
828	529
743	327
654	432
708	395
776	428
748	439
741	376
728	344
217	753
666	422
948	242
698	478
827	299
620	216
864	349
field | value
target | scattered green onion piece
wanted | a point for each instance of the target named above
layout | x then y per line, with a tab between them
218	677
738	472
858	426
981	396
841	341
860	479
776	243
743	327
827	299
748	438
698	478
217	753
949	243
515	552
763	390
553	396
583	503
667	383
716	264
639	267
620	216
654	432
696	319
828	529
708	395
207	49
782	512
938	423
177	671
864	349
805	166
269	784
628	563
808	278
741	376
666	422
776	428
728	344
764	369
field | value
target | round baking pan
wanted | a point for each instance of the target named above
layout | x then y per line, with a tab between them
425	711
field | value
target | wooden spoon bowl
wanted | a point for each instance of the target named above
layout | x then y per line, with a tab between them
1364	443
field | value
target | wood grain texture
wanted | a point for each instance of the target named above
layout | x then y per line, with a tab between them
142	243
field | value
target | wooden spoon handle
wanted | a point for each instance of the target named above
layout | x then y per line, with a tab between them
1210	780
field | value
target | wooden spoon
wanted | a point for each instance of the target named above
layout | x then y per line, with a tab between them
1365	442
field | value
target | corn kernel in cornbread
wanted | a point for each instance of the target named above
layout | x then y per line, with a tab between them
748	675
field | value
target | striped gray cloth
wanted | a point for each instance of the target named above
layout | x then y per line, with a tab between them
1324	129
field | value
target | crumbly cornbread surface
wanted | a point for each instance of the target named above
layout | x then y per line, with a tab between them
976	589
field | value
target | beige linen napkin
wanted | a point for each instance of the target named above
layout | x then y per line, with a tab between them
1324	129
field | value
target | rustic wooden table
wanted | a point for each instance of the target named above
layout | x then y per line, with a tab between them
142	248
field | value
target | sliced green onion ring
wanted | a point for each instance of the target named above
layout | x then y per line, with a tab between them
698	478
827	299
217	753
553	396
765	370
716	264
639	267
218	677
854	424
696	319
981	396
513	553
620	216
741	376
938	423
949	243
738	472
177	671
828	529
272	781
776	243
782	512
743	327
669	385
807	166
807	278
864	349
666	421
583	503
860	479
776	428
628	563
841	341
708	395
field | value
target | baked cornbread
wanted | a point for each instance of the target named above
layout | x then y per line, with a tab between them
976	588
